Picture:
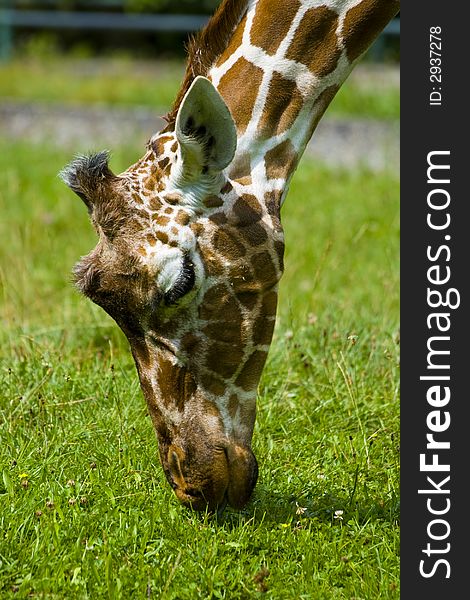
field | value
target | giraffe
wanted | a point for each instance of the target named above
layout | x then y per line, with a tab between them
190	242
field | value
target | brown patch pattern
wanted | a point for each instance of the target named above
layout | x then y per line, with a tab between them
321	104
213	384
215	297
272	201
254	235
222	362
261	35
280	160
248	299
158	146
228	331
279	247
247	210
176	384
263	332
265	272
173	198
315	42
251	371
235	42
228	187
226	243
190	342
211	260
207	47
218	218
242	278
160	220
155	204
240	98
233	406
363	23
162	236
269	305
213	201
283	104
240	169
182	218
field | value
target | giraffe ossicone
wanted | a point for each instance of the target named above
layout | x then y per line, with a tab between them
190	243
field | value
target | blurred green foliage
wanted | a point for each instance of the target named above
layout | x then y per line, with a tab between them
138	43
170	6
42	73
148	6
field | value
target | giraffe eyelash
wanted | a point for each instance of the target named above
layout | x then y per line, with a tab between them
184	284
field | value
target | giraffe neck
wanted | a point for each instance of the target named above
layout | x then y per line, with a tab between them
281	69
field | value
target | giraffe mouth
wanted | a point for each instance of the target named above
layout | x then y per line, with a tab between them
161	343
197	501
229	479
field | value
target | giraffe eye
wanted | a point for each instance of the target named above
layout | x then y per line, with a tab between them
184	283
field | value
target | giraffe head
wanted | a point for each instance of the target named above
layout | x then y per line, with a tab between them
188	265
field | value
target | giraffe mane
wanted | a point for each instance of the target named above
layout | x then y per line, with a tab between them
206	47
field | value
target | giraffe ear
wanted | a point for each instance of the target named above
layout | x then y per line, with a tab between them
205	131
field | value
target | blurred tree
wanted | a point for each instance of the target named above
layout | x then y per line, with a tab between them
142	43
170	6
148	6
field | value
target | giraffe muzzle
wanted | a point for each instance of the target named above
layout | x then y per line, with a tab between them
229	477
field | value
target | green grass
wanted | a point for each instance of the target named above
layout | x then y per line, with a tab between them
84	508
73	81
154	84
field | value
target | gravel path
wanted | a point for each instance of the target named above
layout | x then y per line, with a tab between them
337	142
